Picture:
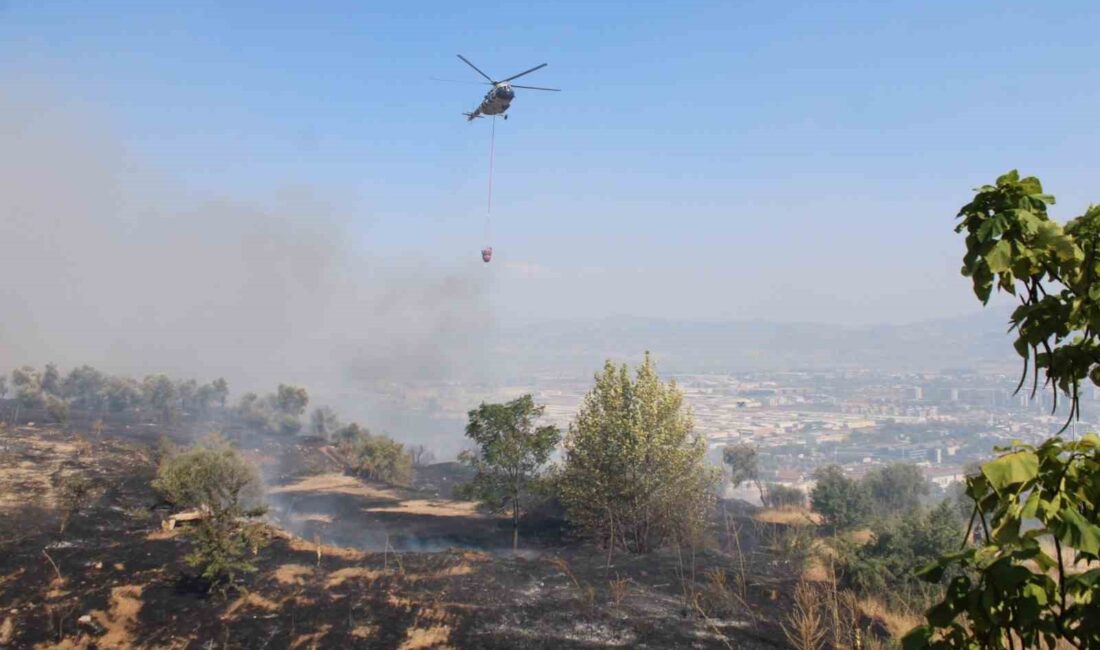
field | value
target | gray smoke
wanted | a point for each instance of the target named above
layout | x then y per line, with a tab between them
106	262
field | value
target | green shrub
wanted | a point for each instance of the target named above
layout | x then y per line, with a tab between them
376	457
635	475
213	478
783	496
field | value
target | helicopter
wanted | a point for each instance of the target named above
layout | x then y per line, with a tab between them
498	99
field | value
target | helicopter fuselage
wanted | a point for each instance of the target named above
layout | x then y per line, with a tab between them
496	101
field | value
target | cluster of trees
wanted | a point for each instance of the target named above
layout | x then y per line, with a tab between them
884	492
743	465
277	413
374	456
633	474
89	389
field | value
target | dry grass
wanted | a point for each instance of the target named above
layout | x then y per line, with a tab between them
340	576
250	600
435	636
862	537
292	574
299	544
338	484
433	508
897	623
7	631
310	641
125	605
788	516
618	588
804	626
311	516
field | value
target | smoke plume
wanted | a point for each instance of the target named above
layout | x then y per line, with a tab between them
105	261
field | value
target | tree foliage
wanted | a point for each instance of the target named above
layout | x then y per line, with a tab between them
634	475
512	452
1032	580
27	382
885	567
376	457
842	501
213	478
777	495
895	489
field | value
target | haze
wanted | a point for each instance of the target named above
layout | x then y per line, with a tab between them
283	193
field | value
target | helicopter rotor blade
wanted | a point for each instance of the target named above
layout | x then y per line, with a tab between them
467	62
557	90
461	81
523	73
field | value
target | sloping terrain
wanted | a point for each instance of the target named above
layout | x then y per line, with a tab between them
115	579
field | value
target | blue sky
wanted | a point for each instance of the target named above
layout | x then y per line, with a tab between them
792	161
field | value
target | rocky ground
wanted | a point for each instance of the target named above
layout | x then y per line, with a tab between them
396	568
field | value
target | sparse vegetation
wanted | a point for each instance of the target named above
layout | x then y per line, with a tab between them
73	494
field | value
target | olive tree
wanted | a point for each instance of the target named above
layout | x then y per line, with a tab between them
512	451
843	502
634	475
213	478
1032	580
896	489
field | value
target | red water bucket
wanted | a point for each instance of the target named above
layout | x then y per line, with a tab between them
487	254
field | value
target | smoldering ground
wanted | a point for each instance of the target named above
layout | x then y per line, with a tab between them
107	261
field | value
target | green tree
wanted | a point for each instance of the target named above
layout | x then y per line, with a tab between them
1033	585
85	387
634	475
324	422
896	489
51	380
378	458
27	382
122	394
777	495
886	567
291	400
221	391
843	502
161	395
511	454
213	478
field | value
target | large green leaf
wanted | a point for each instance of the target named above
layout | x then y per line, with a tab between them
1011	469
1079	532
999	257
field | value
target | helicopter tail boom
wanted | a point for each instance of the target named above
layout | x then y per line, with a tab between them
471	116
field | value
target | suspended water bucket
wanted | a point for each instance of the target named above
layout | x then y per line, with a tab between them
487	254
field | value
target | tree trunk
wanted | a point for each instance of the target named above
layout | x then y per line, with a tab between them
515	525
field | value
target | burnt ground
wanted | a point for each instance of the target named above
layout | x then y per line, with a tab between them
114	579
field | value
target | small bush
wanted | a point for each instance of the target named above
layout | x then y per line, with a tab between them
377	457
212	477
783	496
57	409
74	491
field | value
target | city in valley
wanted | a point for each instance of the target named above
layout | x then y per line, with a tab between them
799	421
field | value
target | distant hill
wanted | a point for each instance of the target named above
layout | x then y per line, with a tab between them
970	342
